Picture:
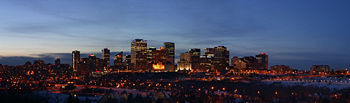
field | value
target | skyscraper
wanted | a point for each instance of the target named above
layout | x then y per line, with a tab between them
195	58
209	52
75	60
207	60
185	61
263	61
205	63
159	59
221	58
118	61
139	54
127	62
150	52
106	57
170	56
195	51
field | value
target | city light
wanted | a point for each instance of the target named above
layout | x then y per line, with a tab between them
153	72
158	66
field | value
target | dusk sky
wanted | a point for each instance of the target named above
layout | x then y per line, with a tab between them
298	33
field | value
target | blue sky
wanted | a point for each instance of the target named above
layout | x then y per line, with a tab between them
298	33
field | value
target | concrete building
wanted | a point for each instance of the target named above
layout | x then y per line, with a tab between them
119	61
263	61
185	61
221	58
238	63
319	69
75	60
106	54
170	56
139	55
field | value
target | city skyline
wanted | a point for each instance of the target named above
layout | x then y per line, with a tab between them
68	57
174	51
298	33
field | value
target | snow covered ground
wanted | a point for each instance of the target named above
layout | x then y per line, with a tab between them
62	98
334	83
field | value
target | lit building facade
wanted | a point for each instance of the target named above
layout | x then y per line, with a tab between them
205	63
139	55
127	62
195	58
263	61
150	52
209	52
170	56
119	61
221	58
251	62
90	64
94	63
75	60
159	59
185	61
319	69
106	54
238	63
281	69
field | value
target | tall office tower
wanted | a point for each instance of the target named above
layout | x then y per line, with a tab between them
195	58
185	61
127	62
195	51
205	62
75	60
159	59
209	52
170	56
139	55
263	61
106	57
118	61
209	55
150	51
221	58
